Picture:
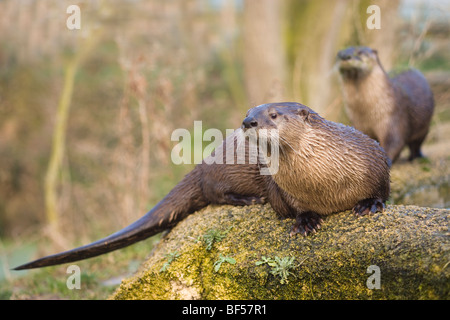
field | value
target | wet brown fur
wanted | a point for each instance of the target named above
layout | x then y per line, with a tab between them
324	166
395	110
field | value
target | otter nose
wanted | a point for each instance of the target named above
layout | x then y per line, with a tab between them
344	55
250	122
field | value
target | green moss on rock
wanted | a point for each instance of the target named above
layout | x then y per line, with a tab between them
409	244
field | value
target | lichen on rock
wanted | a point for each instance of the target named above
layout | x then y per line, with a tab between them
410	245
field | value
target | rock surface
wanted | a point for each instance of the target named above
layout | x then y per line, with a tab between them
424	181
253	257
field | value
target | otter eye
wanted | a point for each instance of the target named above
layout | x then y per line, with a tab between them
273	115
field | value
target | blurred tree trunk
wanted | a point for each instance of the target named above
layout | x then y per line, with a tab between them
264	64
58	144
59	134
385	39
315	31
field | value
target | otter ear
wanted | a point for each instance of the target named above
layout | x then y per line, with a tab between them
303	113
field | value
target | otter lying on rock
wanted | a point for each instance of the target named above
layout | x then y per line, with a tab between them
395	110
323	167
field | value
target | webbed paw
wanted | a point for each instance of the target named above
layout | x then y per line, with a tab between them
306	223
368	206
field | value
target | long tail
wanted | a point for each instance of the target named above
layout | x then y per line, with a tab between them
183	200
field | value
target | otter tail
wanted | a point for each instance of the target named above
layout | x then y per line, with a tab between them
183	200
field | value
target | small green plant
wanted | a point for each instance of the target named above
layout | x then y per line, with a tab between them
170	257
212	236
264	259
221	260
279	266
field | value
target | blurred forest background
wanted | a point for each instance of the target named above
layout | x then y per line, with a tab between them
86	115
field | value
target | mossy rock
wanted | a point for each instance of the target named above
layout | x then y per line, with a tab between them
423	181
409	244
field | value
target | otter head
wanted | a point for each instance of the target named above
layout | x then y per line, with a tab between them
355	62
284	121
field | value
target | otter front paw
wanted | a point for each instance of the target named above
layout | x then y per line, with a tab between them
306	223
368	206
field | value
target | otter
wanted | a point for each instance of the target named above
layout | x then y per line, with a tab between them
324	167
396	110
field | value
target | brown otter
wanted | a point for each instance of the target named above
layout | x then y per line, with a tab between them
394	110
324	167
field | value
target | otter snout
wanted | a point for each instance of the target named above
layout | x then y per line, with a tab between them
249	122
344	55
349	54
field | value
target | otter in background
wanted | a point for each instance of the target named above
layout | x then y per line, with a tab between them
395	110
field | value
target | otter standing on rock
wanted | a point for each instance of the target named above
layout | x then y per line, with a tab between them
324	167
396	110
